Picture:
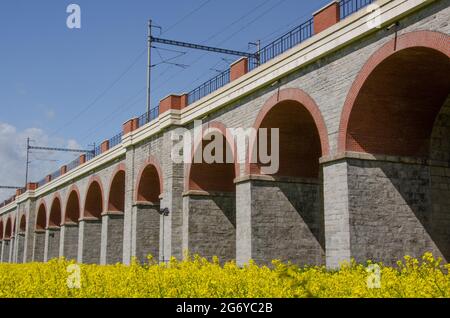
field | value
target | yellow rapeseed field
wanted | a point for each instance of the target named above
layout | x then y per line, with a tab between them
196	277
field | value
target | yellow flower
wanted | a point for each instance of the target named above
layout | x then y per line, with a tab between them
197	277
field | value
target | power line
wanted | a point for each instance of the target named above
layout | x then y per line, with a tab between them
282	30
245	15
251	11
186	16
254	20
240	29
103	93
212	36
129	102
127	70
118	110
167	61
267	38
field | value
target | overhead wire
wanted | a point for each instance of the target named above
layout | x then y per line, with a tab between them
122	74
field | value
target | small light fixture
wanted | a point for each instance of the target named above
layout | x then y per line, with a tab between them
164	211
395	24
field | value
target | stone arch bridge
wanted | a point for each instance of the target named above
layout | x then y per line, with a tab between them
364	119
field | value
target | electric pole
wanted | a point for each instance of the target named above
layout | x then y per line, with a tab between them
28	161
149	70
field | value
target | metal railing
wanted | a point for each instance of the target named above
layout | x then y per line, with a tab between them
42	182
145	118
55	174
91	155
287	41
7	201
73	164
348	7
115	140
209	86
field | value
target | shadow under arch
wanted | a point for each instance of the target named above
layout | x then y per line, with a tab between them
148	228
397	111
209	201
39	232
287	206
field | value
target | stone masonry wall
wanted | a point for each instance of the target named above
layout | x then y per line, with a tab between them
440	182
211	225
287	222
389	206
147	232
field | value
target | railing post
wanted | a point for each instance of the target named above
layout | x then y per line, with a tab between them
238	68
104	146
326	17
173	102
130	125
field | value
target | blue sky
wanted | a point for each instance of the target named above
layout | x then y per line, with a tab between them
73	87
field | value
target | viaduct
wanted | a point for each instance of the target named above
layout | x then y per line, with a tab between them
364	117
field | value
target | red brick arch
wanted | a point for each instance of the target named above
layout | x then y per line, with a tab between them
23	223
116	192
55	216
41	216
9	227
94	199
436	41
72	206
150	173
215	176
303	101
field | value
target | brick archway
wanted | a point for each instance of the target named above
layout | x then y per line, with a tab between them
149	185
56	212
148	190
398	196
72	206
41	217
419	42
116	194
9	227
292	107
210	197
23	223
94	200
215	176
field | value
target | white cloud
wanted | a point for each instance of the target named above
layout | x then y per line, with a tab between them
13	156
